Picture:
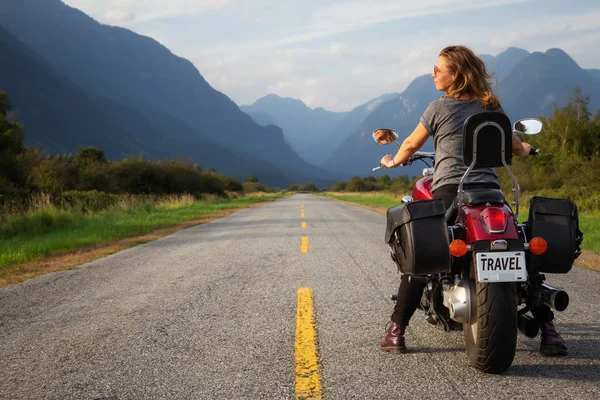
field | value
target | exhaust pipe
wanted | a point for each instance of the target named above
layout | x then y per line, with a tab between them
460	300
528	326
552	297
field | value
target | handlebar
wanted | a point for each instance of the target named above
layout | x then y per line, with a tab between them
419	155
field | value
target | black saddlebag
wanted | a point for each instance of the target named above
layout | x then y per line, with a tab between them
557	222
418	237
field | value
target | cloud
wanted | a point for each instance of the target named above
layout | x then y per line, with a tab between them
115	16
343	17
336	49
544	29
340	75
121	11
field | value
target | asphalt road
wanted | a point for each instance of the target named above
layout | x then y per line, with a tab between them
210	313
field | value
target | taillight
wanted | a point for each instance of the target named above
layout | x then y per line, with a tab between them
538	246
458	248
494	220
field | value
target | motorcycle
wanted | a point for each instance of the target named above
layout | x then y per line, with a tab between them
481	269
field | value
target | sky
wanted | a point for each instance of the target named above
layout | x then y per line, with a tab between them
339	54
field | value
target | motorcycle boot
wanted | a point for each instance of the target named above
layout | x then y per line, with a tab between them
393	341
552	344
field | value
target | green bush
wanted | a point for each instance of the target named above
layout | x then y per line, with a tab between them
253	187
231	184
55	174
90	155
308	187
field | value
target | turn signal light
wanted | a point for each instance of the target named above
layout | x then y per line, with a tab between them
458	248
538	246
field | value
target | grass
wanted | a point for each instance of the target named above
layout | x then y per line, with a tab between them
590	226
373	200
41	233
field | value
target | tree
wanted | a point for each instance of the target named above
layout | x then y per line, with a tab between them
308	187
252	178
90	155
11	144
570	132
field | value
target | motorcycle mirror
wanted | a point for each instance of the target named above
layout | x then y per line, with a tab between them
528	126
384	136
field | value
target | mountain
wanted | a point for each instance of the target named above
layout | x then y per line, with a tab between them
503	63
314	134
260	117
61	116
545	80
139	74
358	154
595	73
307	131
355	117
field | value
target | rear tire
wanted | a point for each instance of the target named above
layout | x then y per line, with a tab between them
492	340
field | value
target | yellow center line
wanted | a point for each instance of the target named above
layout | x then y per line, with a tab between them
308	385
303	224
304	245
302	215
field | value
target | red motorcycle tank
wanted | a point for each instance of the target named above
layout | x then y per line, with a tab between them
422	189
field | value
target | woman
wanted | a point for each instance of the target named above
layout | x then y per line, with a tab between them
462	76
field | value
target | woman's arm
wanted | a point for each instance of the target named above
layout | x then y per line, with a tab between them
410	145
519	148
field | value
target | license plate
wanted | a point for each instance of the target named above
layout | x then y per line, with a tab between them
508	266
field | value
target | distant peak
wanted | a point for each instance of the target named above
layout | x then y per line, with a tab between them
556	52
513	51
560	56
273	100
516	49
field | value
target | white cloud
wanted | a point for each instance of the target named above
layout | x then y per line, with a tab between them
116	16
113	11
546	30
336	49
360	72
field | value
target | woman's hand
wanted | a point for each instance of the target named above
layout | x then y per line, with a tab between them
388	161
519	149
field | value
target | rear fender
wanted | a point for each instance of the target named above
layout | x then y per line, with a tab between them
475	230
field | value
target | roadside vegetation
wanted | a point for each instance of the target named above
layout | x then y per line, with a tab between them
50	229
53	204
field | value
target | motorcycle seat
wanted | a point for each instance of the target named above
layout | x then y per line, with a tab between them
482	196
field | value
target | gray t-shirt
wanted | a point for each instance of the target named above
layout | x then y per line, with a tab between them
444	120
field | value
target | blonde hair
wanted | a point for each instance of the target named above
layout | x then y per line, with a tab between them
470	76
